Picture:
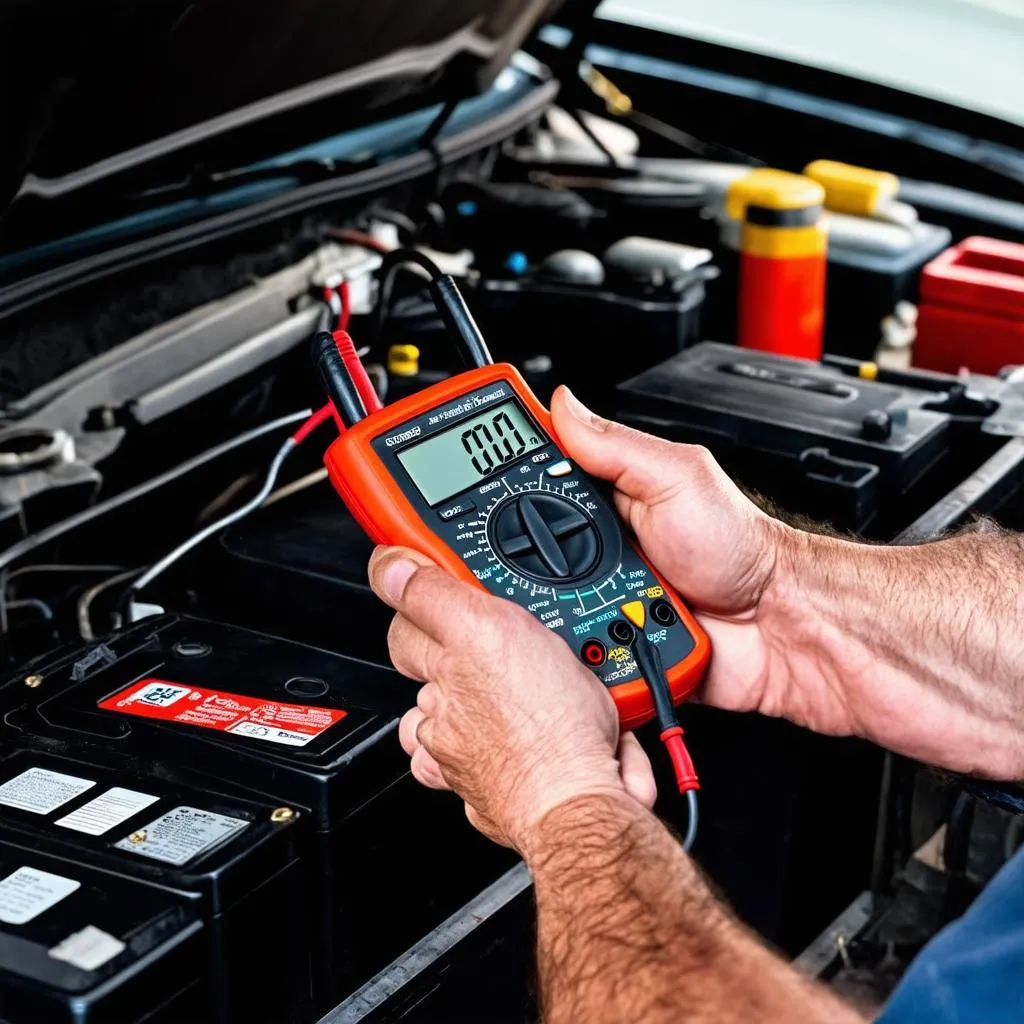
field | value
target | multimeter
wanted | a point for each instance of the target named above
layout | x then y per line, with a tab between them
470	473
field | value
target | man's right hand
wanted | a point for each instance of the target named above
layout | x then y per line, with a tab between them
702	534
916	648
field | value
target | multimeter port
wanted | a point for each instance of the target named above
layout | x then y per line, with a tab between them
663	613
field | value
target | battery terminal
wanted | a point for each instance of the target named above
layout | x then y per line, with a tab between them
281	814
137	837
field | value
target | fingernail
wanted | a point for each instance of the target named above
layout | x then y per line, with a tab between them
396	576
582	413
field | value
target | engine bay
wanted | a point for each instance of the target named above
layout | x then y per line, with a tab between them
238	865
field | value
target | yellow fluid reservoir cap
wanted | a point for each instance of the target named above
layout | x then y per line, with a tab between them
854	190
772	190
404	360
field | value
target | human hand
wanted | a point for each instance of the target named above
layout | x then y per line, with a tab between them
508	716
704	536
910	647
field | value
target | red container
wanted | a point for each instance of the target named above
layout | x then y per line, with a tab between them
972	308
783	246
782	304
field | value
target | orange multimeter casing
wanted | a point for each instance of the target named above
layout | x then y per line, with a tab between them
469	473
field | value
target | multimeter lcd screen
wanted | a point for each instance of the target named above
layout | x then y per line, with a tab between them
460	458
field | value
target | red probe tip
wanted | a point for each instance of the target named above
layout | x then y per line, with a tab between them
686	774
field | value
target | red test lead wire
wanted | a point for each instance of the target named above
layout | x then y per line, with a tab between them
322	414
350	357
649	663
682	764
339	298
347	351
345	294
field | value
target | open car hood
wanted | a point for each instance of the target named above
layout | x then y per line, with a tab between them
116	92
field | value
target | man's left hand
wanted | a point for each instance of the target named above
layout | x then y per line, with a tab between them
508	716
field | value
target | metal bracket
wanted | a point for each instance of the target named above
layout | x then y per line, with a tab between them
160	371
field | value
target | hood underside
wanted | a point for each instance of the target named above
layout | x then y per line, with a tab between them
135	92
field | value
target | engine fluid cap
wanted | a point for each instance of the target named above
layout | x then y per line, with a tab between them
768	189
858	191
403	360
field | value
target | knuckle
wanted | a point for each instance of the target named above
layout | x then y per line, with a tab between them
489	634
426	734
407	728
697	456
436	665
619	431
692	463
395	634
484	624
427	699
400	647
426	770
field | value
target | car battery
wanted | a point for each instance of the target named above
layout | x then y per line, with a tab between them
310	730
877	248
234	860
81	946
642	319
843	446
872	267
281	567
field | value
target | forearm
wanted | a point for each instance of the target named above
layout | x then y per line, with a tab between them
627	930
921	648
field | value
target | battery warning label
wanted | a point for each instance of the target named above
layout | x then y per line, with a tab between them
40	791
26	893
293	725
182	835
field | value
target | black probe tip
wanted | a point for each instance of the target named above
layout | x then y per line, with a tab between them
336	379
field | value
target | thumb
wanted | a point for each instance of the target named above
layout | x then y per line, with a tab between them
636	463
428	597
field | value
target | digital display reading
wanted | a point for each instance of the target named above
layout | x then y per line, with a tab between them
460	458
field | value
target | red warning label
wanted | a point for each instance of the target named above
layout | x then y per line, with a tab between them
294	725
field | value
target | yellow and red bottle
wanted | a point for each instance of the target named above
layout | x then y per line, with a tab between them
783	259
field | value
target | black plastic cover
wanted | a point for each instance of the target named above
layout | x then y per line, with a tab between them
783	406
155	973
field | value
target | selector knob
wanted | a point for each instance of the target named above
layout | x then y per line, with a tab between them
546	536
